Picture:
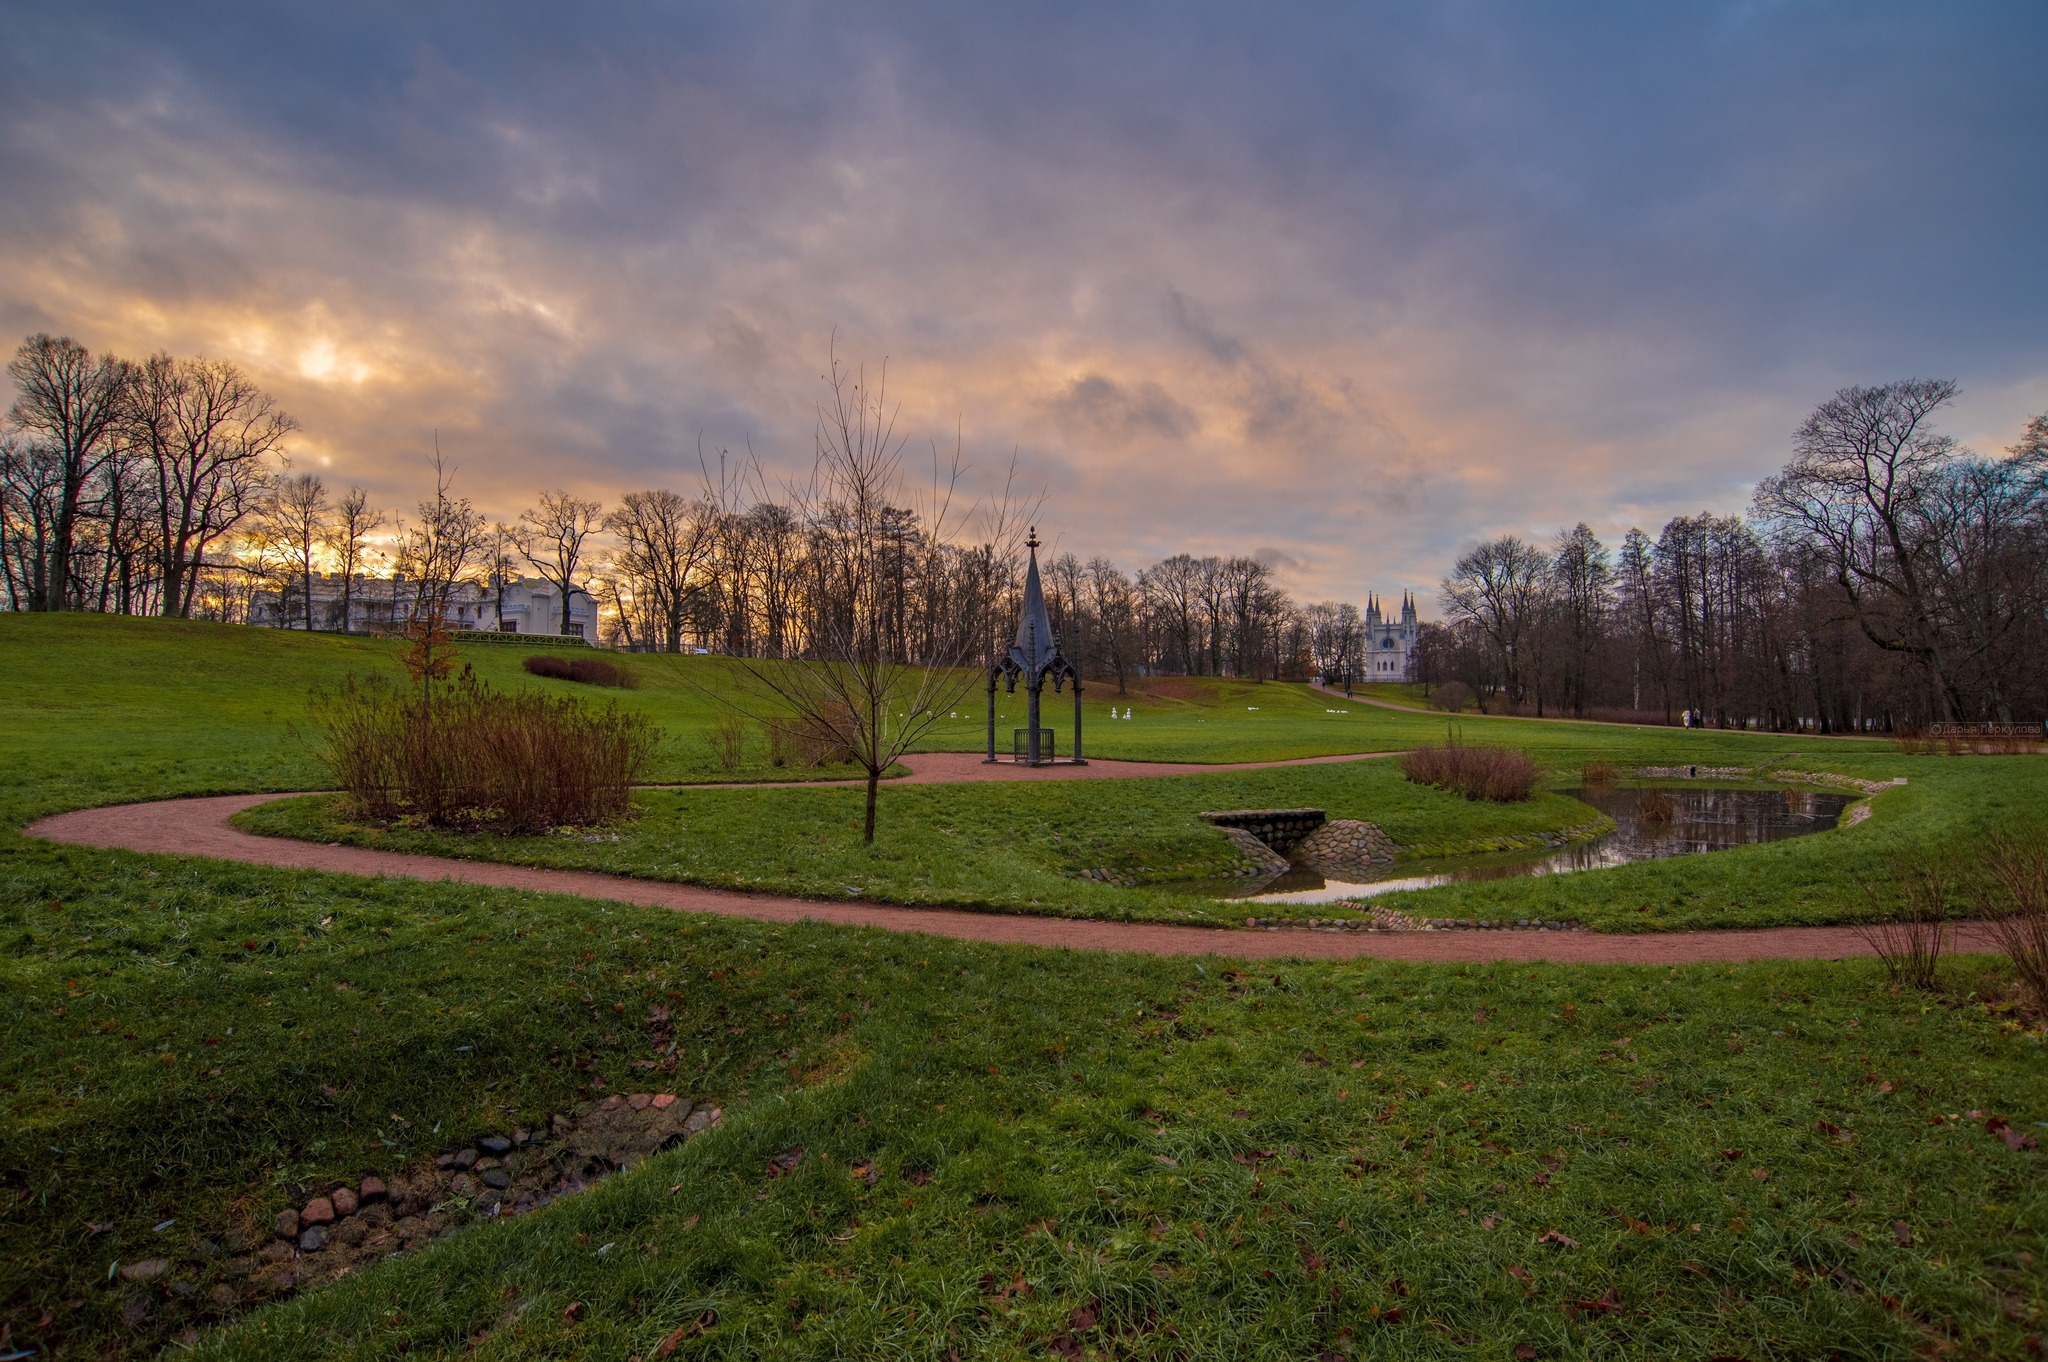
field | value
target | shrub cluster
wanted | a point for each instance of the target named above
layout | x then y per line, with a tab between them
462	755
1492	773
591	671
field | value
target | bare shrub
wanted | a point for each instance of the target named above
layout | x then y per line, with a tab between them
1453	696
1492	773
1598	774
1909	929
2012	898
1656	807
728	739
591	671
477	758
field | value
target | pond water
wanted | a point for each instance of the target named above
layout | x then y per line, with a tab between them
1703	820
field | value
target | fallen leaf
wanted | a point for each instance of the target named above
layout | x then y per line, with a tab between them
1518	1272
1760	1174
1731	1154
1396	1286
1082	1319
1902	1234
1999	1126
1525	1351
569	1316
1540	1180
1170	1163
1607	1302
917	1177
1558	1238
1487	1222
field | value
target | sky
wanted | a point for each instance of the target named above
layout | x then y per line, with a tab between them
1349	286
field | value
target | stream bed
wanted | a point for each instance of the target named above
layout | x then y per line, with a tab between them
1703	820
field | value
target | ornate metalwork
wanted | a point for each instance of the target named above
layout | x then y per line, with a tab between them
1034	658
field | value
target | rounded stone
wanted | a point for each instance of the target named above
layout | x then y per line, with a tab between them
344	1200
373	1189
319	1211
287	1224
314	1239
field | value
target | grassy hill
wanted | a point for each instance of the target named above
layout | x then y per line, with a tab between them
1180	1158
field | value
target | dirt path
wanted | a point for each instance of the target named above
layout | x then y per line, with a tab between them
199	827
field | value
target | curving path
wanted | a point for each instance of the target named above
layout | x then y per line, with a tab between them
959	768
199	827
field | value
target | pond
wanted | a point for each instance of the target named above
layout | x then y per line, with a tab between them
1703	820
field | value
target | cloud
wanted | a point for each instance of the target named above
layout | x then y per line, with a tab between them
1101	408
1363	284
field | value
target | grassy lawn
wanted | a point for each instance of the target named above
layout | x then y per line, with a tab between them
1173	1158
1008	847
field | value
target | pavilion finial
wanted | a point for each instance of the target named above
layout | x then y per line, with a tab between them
1032	542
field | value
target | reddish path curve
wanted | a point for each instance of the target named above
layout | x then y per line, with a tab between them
199	827
959	768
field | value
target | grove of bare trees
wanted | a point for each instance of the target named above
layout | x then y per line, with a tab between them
1885	578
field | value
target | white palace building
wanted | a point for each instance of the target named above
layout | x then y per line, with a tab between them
1390	645
513	605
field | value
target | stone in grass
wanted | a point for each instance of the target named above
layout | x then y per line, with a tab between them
373	1190
497	1177
344	1201
149	1269
495	1144
314	1239
465	1158
286	1224
319	1211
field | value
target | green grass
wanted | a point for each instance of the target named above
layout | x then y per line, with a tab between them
1041	1090
1003	846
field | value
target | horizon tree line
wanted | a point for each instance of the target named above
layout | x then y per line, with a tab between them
1885	578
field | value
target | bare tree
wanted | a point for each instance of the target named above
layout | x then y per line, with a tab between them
1860	464
70	403
551	537
355	520
1499	587
295	516
1583	580
663	538
30	483
861	682
1115	602
208	433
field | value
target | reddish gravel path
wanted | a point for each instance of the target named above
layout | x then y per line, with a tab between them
960	768
199	827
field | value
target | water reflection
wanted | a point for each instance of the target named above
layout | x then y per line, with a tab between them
1702	820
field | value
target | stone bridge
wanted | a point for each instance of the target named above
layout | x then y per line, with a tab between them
1281	829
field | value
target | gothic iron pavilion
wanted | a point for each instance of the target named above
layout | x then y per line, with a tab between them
1034	656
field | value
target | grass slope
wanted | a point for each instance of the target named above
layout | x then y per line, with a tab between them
1009	847
1081	1117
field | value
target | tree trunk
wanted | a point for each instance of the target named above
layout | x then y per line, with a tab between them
874	780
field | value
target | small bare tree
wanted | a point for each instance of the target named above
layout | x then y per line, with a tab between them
355	520
295	516
864	683
433	555
551	538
